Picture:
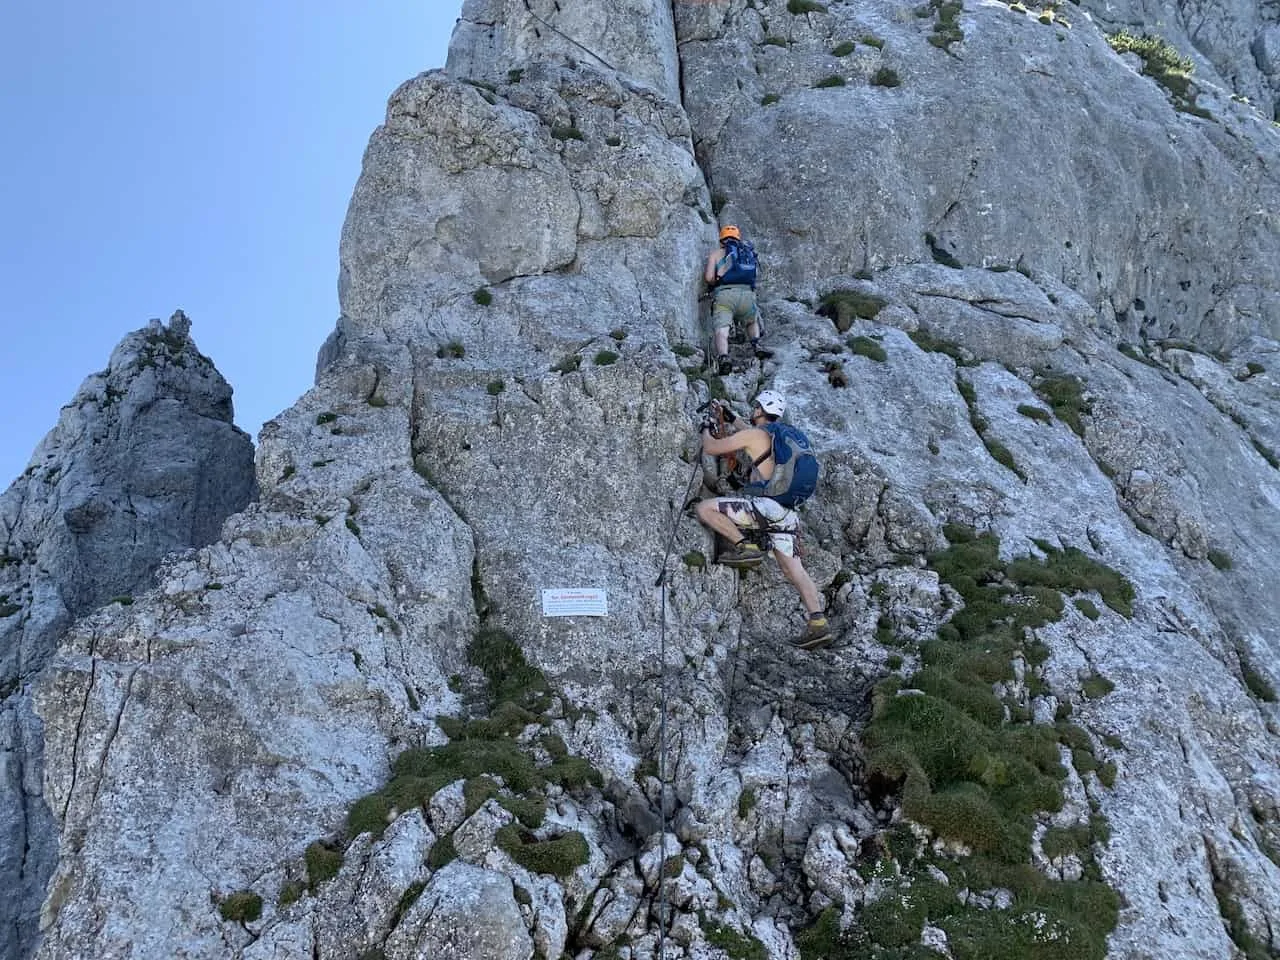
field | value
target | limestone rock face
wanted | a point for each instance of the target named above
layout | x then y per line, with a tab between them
914	151
1232	43
145	461
631	37
1026	311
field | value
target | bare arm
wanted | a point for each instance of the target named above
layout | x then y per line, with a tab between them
709	272
753	440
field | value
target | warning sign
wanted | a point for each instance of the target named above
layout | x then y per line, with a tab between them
575	602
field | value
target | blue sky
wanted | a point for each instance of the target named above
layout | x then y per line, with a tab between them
161	155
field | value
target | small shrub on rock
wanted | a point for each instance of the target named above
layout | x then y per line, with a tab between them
243	906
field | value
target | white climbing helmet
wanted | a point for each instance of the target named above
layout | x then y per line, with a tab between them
771	403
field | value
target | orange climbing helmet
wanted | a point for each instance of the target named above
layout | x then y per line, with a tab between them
730	232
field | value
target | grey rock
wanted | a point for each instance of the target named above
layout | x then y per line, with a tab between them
443	921
450	464
144	461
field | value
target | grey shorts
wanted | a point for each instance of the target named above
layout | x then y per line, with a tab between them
783	524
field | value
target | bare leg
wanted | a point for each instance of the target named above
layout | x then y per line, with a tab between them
722	341
712	518
753	331
794	571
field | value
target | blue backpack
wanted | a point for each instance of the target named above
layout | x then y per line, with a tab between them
795	468
743	263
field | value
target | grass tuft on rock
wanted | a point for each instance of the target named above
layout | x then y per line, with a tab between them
243	906
971	766
885	77
1162	62
1065	397
568	364
736	946
557	857
867	347
484	752
843	307
323	863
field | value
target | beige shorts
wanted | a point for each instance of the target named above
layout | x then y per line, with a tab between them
783	524
736	302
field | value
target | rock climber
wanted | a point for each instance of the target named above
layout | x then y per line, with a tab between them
756	510
730	274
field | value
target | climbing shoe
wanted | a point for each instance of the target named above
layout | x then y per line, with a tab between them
724	365
742	554
817	633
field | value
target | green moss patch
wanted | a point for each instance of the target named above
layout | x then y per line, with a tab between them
558	856
1032	412
1087	607
484	752
323	863
805	6
929	343
845	306
1065	397
867	347
843	49
1234	919
243	906
885	77
291	893
970	765
568	364
999	452
1096	686
1257	684
605	357
835	80
482	297
737	946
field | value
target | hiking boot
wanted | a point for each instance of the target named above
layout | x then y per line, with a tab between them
760	352
724	365
742	554
817	633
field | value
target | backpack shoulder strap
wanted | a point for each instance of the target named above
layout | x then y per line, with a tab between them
768	453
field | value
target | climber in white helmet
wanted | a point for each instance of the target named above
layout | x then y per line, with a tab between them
783	474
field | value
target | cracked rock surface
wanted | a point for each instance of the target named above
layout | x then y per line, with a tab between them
1035	316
